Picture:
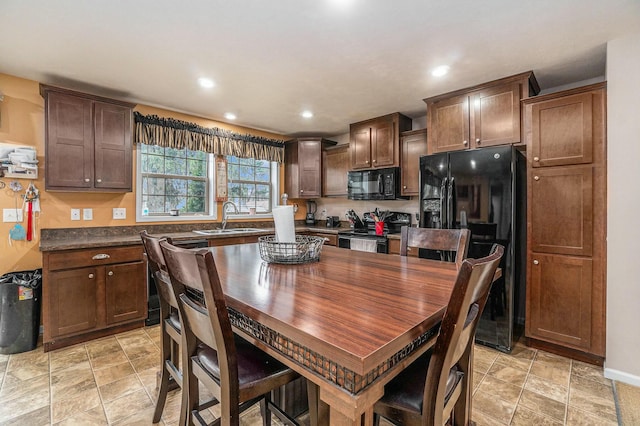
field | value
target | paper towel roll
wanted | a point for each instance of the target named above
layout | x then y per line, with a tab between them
285	228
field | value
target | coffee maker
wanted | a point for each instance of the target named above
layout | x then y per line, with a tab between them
312	207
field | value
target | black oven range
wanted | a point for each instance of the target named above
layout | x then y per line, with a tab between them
362	235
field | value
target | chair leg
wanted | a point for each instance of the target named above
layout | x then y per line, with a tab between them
265	410
164	375
162	394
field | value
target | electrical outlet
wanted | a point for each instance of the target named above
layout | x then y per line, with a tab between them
75	214
120	213
12	215
87	214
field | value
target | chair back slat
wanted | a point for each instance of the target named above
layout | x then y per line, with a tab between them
457	331
197	318
447	240
158	267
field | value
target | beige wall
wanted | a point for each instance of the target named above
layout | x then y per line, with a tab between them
623	234
22	123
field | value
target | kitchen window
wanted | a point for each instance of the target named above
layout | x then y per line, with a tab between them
178	184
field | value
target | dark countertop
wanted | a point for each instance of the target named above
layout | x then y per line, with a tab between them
82	238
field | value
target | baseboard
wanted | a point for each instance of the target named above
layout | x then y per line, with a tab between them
621	376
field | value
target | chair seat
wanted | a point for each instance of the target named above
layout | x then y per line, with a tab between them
174	321
254	365
406	391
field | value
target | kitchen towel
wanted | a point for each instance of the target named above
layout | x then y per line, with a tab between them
363	244
285	229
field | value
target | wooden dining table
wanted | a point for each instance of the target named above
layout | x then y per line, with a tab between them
349	322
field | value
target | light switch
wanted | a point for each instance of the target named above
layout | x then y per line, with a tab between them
75	214
87	214
12	215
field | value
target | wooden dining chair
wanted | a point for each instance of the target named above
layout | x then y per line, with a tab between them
437	385
454	241
170	338
237	373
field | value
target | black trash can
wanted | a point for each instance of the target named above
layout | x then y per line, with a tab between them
20	294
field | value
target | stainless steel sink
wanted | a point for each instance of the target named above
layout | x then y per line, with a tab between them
226	231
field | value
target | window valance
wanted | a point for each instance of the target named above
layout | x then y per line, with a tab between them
171	133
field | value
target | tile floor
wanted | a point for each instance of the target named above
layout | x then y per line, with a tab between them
112	381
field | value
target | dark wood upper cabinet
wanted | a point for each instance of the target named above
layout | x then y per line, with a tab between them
89	145
303	167
414	146
335	166
561	131
376	142
483	115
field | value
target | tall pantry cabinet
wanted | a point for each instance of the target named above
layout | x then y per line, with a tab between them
565	134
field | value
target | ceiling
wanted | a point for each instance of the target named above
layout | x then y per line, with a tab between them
345	61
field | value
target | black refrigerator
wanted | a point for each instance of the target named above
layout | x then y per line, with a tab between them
483	190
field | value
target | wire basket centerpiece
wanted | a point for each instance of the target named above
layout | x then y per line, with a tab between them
305	249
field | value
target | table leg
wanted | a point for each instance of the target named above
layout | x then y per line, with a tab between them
339	419
318	409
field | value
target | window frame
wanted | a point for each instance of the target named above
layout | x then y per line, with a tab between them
213	205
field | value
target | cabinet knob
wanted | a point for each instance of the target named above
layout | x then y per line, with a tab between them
366	162
99	180
536	262
536	178
465	143
477	140
404	187
87	180
373	161
90	276
110	273
536	159
301	191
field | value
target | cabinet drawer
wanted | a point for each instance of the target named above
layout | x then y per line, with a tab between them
92	257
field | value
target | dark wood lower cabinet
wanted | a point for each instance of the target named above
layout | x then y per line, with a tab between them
92	293
560	299
72	301
125	300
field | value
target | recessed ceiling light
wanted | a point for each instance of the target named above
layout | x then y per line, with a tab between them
307	114
207	83
229	116
440	71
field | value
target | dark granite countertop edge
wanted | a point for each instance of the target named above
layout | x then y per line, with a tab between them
59	241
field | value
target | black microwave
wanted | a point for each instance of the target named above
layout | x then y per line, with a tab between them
378	184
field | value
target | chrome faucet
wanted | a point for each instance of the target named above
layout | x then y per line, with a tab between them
224	211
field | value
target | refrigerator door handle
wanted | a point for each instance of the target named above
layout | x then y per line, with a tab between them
443	203
450	213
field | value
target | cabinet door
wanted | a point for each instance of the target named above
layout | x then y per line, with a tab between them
495	116
448	124
414	145
113	146
69	148
72	301
335	165
562	210
383	144
125	292
361	147
309	155
559	300
562	131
